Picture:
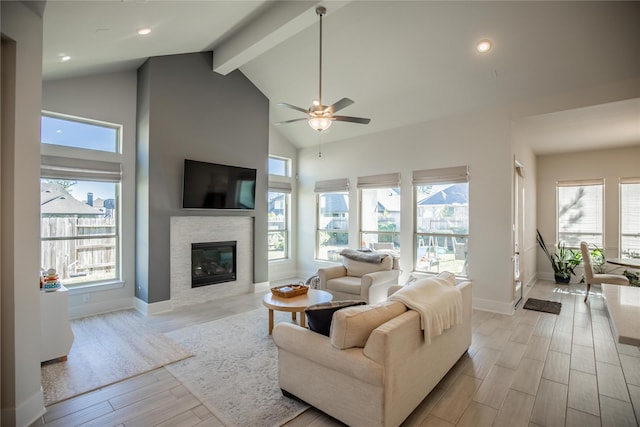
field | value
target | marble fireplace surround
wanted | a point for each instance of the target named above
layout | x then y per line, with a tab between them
185	230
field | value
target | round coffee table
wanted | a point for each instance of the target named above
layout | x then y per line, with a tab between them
294	305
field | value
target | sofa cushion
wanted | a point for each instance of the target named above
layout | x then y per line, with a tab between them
352	326
319	316
345	284
359	268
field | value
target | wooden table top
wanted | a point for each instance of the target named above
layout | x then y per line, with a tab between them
298	303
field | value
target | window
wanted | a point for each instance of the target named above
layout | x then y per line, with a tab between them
80	202
79	133
279	208
278	227
279	166
630	218
442	220
580	212
332	234
380	211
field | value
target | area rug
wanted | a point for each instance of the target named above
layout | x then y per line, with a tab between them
543	305
234	371
107	348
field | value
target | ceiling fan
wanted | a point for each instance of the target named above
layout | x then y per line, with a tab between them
320	116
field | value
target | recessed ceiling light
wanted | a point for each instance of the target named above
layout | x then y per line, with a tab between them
483	46
65	58
144	31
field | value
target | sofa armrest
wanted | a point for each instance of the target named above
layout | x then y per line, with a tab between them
317	348
384	346
378	278
329	273
393	289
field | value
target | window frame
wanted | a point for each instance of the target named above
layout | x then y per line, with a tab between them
341	231
284	231
622	234
287	166
60	162
282	184
394	235
436	177
560	234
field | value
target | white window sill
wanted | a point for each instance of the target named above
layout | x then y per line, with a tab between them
94	287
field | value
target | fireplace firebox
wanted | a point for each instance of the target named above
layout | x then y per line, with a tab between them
213	262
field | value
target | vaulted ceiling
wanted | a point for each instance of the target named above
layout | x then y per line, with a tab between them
401	62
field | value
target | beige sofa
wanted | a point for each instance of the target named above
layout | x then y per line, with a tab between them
380	380
360	280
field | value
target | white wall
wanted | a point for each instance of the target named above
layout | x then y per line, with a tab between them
609	164
110	98
287	268
480	140
22	401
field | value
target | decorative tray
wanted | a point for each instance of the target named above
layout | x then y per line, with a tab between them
288	291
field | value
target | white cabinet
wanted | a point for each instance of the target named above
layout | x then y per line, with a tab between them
56	336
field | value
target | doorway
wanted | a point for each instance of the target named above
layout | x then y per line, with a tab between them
518	225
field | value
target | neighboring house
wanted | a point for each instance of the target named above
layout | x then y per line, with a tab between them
430	208
334	211
389	203
56	201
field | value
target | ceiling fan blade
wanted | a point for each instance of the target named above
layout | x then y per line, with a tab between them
359	120
284	104
339	105
290	121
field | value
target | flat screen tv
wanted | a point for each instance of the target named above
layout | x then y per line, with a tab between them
215	186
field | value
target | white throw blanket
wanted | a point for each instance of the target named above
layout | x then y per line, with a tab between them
439	304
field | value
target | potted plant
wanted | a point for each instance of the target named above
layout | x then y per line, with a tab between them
597	260
563	260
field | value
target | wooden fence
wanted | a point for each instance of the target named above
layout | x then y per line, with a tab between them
75	257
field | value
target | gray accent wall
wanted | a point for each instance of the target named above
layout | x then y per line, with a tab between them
185	110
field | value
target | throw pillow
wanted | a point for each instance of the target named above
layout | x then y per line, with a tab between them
319	316
359	268
447	277
352	326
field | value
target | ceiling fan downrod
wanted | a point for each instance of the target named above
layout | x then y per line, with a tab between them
320	11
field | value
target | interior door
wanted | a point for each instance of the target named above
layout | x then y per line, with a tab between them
518	222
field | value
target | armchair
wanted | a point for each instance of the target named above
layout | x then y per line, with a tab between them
360	280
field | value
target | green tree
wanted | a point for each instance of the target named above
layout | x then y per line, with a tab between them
64	183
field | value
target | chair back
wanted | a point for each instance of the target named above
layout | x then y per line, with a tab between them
586	259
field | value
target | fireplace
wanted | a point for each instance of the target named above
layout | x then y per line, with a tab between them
213	262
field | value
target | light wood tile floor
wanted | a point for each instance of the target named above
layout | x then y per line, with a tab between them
529	369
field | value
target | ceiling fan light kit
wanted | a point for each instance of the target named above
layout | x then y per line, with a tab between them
319	116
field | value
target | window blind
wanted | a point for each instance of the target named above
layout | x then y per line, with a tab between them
332	185
379	181
630	180
280	187
449	175
579	183
68	168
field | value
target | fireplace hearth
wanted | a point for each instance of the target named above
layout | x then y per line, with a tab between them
212	263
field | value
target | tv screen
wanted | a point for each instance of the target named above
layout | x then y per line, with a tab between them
215	186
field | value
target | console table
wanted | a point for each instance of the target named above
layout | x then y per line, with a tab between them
56	336
623	305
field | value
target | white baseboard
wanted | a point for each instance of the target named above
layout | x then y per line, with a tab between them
100	307
153	308
26	413
493	306
261	287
